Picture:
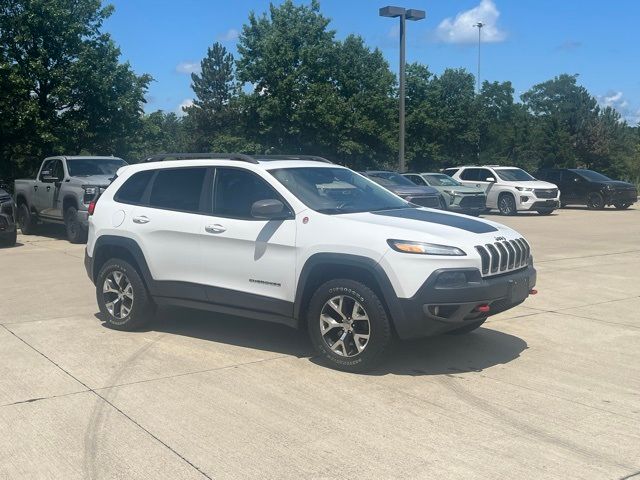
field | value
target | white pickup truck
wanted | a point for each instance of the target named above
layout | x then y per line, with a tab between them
61	192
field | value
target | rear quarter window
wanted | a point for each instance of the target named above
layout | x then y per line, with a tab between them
132	190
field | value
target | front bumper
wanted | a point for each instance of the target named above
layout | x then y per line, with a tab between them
437	308
621	196
531	202
83	218
7	218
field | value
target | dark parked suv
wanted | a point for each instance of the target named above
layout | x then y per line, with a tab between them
8	232
421	195
579	186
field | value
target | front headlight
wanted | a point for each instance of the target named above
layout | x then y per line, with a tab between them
524	189
421	248
450	192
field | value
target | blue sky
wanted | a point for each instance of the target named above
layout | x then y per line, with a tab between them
525	42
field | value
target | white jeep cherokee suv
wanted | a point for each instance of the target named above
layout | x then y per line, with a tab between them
509	189
298	241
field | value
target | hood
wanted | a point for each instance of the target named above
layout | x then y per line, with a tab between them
98	180
534	184
434	226
411	191
618	185
462	189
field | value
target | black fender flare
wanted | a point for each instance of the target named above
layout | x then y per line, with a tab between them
344	259
128	244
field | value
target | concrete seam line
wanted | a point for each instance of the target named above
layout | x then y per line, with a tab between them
630	476
215	369
112	405
587	256
37	399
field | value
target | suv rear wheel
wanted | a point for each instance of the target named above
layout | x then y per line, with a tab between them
25	220
348	325
122	296
595	201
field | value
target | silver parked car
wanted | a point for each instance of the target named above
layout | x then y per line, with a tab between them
459	198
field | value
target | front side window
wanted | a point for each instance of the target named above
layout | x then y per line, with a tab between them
514	175
84	167
591	175
178	189
390	179
471	174
337	190
236	191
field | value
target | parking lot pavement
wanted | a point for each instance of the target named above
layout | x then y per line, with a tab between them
550	389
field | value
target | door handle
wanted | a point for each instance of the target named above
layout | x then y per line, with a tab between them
48	187
216	228
141	219
35	187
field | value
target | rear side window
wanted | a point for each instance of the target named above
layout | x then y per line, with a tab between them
417	179
450	171
470	174
178	189
133	189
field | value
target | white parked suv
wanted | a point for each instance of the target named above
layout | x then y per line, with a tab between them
509	189
298	241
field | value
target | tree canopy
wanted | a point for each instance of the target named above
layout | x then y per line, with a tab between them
294	87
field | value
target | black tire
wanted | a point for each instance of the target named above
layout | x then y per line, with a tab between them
142	308
545	211
25	220
507	204
470	327
76	233
595	201
622	206
380	336
9	240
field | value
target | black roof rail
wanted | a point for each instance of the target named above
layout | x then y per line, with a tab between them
186	156
291	157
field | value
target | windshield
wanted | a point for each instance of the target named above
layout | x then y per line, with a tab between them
591	175
83	167
514	175
441	180
390	179
336	190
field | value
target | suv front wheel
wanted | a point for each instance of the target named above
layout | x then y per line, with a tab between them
348	325
122	296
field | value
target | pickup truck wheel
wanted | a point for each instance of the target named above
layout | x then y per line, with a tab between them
76	233
348	325
25	220
470	327
622	206
507	204
122	296
595	201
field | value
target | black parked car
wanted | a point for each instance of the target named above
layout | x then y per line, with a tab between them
405	188
579	186
8	232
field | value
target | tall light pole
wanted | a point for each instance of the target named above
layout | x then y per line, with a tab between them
403	14
479	25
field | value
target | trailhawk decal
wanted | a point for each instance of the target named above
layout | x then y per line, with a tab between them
463	223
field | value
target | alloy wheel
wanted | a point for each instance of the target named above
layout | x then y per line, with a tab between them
118	294
344	326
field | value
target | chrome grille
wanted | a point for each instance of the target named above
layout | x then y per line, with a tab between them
431	202
5	198
546	192
505	256
472	201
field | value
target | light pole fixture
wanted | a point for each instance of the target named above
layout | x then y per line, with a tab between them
479	25
403	14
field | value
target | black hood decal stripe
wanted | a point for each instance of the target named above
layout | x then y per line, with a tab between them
463	223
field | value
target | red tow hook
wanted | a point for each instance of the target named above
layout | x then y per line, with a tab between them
484	308
533	291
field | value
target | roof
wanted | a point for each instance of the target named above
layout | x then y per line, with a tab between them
241	157
85	157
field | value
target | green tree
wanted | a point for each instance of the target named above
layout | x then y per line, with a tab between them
62	78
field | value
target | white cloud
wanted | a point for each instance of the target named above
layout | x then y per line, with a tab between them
187	102
229	36
617	100
188	67
461	28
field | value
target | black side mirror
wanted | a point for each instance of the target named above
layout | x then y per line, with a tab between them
270	209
